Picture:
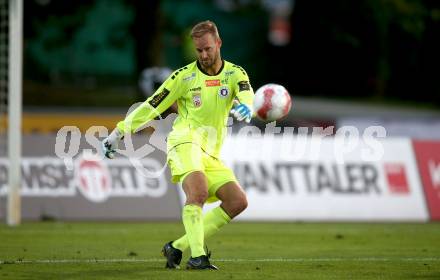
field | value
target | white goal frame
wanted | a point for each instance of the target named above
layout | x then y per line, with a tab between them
15	69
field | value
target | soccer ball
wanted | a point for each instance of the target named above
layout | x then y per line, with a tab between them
272	102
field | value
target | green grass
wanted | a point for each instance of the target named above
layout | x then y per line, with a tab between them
241	250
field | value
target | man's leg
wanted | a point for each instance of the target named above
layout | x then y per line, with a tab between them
195	187
233	203
186	164
233	199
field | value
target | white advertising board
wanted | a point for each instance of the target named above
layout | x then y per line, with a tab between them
319	179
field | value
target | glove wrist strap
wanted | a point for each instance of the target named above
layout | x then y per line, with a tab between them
115	135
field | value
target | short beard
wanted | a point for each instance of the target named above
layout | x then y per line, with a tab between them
208	65
214	61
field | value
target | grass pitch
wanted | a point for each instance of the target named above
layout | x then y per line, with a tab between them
241	250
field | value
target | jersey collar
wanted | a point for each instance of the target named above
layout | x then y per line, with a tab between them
219	71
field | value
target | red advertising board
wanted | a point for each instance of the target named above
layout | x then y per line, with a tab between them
428	160
396	176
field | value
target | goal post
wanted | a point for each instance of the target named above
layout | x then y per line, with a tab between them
15	61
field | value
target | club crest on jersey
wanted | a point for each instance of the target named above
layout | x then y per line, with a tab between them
197	99
223	92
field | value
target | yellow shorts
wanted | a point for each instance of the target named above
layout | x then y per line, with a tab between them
188	157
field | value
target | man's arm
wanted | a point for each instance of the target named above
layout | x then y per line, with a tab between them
244	98
162	99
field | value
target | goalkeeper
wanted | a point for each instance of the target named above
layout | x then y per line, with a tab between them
205	91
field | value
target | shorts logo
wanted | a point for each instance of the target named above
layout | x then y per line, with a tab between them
212	83
223	92
197	100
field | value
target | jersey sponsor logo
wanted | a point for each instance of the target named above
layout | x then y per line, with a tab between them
243	85
212	83
223	92
190	77
229	73
197	99
195	89
158	98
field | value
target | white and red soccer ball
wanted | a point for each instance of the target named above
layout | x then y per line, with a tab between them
272	102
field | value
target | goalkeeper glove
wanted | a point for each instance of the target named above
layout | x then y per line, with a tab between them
110	143
242	112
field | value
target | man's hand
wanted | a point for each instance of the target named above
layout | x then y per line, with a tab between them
110	143
242	112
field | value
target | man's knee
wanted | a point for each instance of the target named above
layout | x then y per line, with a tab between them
198	197
241	204
236	205
196	189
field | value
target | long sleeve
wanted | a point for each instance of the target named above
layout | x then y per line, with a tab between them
245	93
155	105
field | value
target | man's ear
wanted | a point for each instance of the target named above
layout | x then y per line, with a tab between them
219	42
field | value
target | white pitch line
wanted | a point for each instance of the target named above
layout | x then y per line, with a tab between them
155	260
366	259
81	261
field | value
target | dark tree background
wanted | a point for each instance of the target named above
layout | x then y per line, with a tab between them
378	50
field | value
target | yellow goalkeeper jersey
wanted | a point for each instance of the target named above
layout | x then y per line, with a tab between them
204	103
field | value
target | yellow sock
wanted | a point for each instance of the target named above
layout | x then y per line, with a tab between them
192	220
212	222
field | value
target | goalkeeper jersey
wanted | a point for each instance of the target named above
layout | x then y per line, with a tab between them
204	102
